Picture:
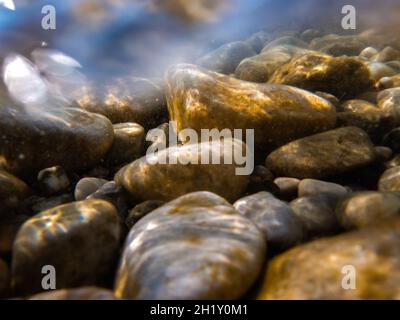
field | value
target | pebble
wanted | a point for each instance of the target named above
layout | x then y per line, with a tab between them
368	53
390	180
12	192
128	144
317	215
310	187
323	155
389	100
380	70
71	138
285	40
288	187
200	99
315	271
87	186
344	77
195	247
274	218
336	45
80	240
53	180
368	208
226	58
162	178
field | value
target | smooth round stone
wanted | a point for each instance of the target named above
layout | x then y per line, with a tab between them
365	115
389	100
383	153
329	97
387	54
195	247
275	218
128	144
317	215
385	83
140	210
79	239
341	76
288	187
87	186
368	53
12	192
336	45
323	155
84	293
226	58
285	40
394	162
314	271
310	34
200	99
258	40
4	279
53	180
390	180
72	138
310	187
368	208
379	70
392	140
160	177
128	99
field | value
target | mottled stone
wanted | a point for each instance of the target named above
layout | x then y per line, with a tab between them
128	100
373	120
12	192
322	155
315	270
288	40
140	210
368	208
281	227
310	187
167	174
341	76
379	70
226	58
84	293
72	138
195	247
338	45
259	68
53	180
199	99
387	54
368	53
390	180
80	240
317	215
87	186
288	187
389	100
128	144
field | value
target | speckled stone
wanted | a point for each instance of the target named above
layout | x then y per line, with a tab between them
84	293
275	218
322	155
390	180
159	177
80	240
200	99
368	208
317	215
195	247
314	271
72	138
341	76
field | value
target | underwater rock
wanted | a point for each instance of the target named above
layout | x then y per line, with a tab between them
368	208
323	155
344	77
226	58
128	144
71	138
316	270
389	100
80	240
201	99
175	171
53	180
316	214
387	54
259	68
288	40
380	70
128	99
276	219
140	210
195	247
84	293
87	186
336	45
288	187
12	192
310	187
390	180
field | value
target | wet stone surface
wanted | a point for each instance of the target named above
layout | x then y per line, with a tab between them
195	247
